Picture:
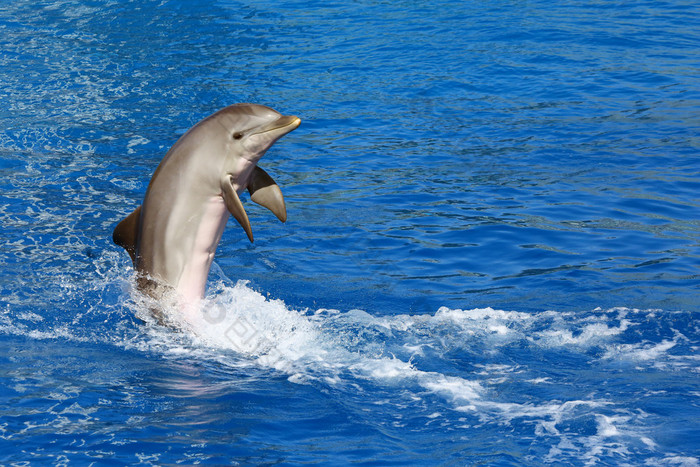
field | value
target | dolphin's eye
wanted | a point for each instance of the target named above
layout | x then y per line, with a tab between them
238	135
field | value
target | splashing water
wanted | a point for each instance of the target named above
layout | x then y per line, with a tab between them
454	368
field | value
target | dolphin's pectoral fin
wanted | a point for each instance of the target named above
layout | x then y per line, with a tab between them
264	191
126	231
235	207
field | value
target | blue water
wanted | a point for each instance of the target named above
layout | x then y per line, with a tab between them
492	254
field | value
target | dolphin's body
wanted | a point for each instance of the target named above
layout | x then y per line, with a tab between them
173	235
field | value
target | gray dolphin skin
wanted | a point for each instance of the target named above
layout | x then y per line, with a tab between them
173	235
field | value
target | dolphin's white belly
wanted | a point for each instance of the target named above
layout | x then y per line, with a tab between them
192	281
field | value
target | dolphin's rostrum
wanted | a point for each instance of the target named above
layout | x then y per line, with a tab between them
173	235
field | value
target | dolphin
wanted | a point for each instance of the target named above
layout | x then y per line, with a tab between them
173	235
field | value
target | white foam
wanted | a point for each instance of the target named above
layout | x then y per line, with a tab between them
240	327
332	348
640	352
674	461
590	334
300	344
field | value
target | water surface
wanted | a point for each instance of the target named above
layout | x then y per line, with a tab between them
491	254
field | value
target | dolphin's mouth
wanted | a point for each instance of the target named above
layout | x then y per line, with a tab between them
285	123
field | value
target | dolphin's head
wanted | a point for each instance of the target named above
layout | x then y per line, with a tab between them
248	132
253	128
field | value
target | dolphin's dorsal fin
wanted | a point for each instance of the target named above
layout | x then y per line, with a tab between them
234	205
264	191
126	232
